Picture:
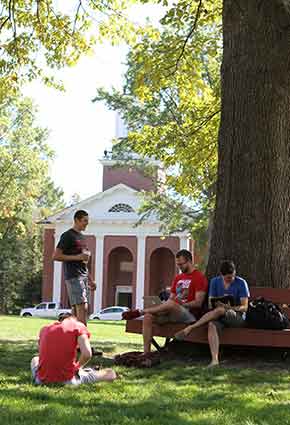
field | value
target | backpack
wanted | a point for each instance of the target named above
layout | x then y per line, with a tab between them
264	314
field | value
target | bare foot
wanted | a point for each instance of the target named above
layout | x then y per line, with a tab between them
179	336
213	363
182	334
106	375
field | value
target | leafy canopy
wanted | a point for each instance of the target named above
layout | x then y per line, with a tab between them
171	103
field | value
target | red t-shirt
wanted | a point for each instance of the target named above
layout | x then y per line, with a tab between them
58	350
185	286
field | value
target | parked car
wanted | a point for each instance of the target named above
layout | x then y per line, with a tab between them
47	309
109	313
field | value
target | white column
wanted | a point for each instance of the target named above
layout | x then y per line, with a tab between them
140	278
99	273
184	242
56	295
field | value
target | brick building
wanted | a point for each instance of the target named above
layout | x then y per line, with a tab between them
128	262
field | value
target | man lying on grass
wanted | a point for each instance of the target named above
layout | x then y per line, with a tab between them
187	295
57	362
222	314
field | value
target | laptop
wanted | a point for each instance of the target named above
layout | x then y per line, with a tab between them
151	300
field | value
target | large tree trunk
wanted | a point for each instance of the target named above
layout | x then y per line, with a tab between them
252	216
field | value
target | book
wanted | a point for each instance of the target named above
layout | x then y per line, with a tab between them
226	299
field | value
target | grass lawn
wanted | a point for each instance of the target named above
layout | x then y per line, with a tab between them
170	394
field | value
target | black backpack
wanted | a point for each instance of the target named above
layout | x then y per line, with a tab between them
263	314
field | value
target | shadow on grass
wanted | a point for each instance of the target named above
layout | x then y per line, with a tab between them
15	357
129	402
111	346
69	410
172	393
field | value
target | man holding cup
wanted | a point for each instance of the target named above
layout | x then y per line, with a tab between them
72	250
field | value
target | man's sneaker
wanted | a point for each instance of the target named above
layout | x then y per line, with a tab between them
131	314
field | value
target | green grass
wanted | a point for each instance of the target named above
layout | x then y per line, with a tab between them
170	394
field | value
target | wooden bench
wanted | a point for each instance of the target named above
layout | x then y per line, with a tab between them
243	336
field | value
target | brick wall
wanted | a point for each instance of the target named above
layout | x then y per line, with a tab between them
153	275
130	177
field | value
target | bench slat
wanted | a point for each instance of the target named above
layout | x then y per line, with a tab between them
277	295
243	336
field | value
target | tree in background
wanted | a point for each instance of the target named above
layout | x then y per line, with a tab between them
26	194
251	220
170	102
252	223
39	36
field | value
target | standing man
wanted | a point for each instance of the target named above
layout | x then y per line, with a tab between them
222	315
187	296
72	250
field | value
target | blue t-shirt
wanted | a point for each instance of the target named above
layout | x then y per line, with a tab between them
238	289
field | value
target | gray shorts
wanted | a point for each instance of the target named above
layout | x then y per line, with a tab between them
84	376
182	316
78	290
231	319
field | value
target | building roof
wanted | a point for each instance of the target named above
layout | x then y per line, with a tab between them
117	200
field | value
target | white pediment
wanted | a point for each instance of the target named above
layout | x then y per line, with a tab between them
122	200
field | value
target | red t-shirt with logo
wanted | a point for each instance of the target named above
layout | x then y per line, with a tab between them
58	350
186	285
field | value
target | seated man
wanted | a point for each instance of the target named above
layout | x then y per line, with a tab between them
57	362
223	315
188	293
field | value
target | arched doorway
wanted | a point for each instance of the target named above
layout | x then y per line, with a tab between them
162	270
120	277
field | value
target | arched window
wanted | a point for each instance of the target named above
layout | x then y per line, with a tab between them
121	208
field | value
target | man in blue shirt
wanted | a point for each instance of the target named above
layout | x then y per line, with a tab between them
222	314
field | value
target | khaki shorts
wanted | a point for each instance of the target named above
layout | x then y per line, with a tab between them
78	290
182	316
231	319
83	376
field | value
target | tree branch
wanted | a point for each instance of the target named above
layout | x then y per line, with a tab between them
37	11
205	121
189	35
8	17
13	20
77	15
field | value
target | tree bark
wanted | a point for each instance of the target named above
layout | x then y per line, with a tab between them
252	214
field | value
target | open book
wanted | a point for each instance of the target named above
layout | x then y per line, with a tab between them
226	299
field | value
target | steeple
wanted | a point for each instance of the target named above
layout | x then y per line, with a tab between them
121	166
